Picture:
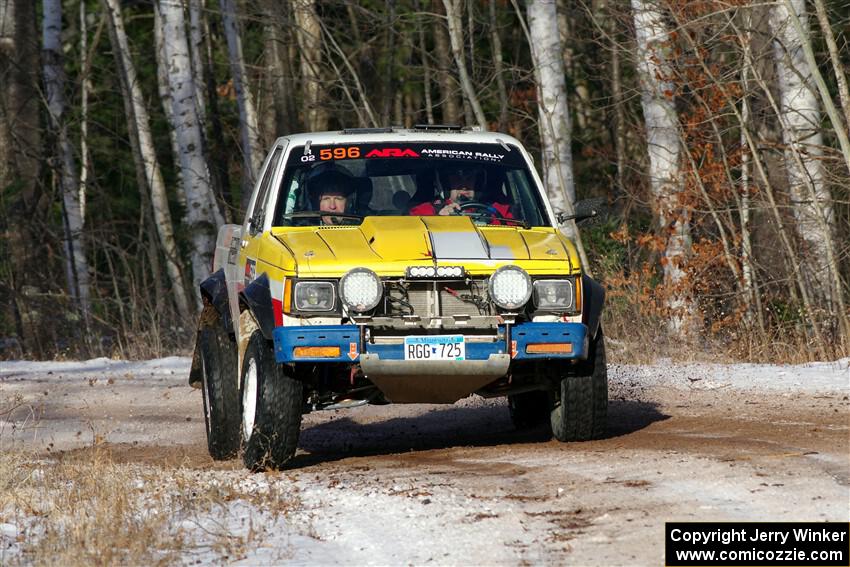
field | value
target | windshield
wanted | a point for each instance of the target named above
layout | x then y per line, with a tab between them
342	184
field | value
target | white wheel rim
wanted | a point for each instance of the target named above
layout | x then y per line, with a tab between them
249	399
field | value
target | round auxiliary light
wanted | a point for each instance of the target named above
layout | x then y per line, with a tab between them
360	290
415	272
429	271
510	287
441	271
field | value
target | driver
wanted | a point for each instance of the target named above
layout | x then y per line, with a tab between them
331	192
461	183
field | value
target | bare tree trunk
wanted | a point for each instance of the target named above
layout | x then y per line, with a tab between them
165	96
202	215
449	103
196	49
138	121
579	104
798	19
20	153
554	115
388	81
498	67
800	117
426	69
84	110
54	82
619	109
659	112
456	39
546	54
837	66
747	269
248	128
281	90
308	32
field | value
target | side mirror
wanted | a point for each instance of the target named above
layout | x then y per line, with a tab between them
584	209
564	217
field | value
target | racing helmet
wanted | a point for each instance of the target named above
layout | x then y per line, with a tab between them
325	180
461	175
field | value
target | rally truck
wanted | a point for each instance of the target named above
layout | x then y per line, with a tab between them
405	290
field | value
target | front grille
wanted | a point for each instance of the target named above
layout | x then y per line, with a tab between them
434	299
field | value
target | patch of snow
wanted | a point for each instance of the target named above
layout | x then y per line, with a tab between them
811	377
99	367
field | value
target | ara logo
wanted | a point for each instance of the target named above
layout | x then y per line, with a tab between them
392	152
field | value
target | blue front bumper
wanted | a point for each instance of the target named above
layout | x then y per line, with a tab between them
347	339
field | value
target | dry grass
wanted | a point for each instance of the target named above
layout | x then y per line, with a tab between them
86	508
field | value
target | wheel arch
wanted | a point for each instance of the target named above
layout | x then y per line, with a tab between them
257	298
593	300
214	290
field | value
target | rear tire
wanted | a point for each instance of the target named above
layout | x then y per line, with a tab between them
529	409
220	388
582	410
271	403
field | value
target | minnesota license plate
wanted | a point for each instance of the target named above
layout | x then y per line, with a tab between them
435	347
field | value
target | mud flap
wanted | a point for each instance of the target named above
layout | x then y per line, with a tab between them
208	315
196	380
593	299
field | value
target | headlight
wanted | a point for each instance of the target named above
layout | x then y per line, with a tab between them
555	295
360	290
314	296
510	287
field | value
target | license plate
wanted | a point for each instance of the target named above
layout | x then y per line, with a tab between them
435	347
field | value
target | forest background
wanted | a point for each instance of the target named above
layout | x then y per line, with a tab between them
712	135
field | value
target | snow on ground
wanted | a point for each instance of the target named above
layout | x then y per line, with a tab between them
99	367
811	377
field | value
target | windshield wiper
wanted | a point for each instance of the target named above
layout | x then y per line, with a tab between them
490	218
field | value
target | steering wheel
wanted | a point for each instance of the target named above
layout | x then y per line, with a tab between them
475	207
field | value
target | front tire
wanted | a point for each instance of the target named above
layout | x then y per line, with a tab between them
271	408
581	412
220	387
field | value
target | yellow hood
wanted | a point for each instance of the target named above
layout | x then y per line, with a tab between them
388	245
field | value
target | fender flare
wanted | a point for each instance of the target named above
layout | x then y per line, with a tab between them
593	299
257	298
214	289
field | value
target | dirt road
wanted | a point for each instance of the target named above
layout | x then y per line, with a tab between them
457	484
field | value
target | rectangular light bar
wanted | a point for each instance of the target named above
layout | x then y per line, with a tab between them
316	352
434	272
549	348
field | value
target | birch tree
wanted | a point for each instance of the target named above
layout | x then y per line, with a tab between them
800	118
196	48
202	214
553	112
662	136
449	103
308	33
456	39
138	120
77	266
252	157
